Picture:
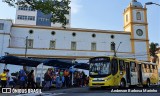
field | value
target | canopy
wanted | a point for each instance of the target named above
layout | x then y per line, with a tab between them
19	61
58	63
84	66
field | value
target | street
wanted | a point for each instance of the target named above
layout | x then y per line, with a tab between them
84	91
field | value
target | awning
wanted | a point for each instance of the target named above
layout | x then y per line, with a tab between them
58	63
19	61
84	66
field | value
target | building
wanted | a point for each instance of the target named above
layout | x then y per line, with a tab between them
76	43
27	16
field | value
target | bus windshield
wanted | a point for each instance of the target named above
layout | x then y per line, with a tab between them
100	68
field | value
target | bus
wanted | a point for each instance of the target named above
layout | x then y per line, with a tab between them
113	71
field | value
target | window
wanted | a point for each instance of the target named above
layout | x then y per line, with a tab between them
43	19
114	67
138	15
73	34
31	18
23	17
93	46
133	66
52	44
25	8
1	26
30	43
112	36
144	67
150	68
127	18
113	46
121	65
93	35
73	45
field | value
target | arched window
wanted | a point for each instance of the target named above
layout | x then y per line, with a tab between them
138	15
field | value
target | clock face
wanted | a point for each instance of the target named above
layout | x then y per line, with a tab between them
139	32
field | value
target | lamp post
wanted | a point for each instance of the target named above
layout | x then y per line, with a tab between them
26	46
151	3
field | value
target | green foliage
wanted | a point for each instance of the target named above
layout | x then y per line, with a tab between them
58	8
153	49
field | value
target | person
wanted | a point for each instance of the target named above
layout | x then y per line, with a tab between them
58	81
12	81
8	77
3	77
31	80
47	79
22	78
66	76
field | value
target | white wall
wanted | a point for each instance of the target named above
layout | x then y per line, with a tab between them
141	50
63	40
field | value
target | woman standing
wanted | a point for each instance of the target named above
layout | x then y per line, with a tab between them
31	80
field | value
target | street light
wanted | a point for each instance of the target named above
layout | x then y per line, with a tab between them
150	3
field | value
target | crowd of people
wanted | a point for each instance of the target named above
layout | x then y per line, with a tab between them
63	78
58	77
24	79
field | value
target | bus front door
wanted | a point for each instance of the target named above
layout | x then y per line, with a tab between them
128	72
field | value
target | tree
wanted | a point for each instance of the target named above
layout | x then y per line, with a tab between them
58	8
153	49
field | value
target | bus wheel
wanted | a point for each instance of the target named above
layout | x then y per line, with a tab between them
148	83
122	84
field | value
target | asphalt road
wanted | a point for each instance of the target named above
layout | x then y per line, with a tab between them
84	91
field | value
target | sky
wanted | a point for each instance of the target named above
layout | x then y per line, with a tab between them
101	14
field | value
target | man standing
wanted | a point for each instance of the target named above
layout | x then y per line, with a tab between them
66	76
3	77
22	78
8	77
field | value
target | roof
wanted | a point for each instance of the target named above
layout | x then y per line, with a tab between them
135	3
19	61
72	29
58	63
84	66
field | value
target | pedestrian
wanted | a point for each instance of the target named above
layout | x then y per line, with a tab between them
31	80
12	81
47	79
3	77
66	76
8	77
58	81
22	78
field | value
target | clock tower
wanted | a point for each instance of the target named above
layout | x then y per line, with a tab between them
135	21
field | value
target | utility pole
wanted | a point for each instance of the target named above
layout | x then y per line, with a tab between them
26	46
115	51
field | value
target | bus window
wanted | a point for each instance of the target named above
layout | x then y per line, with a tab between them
147	68
133	67
144	68
121	65
114	66
150	68
153	68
